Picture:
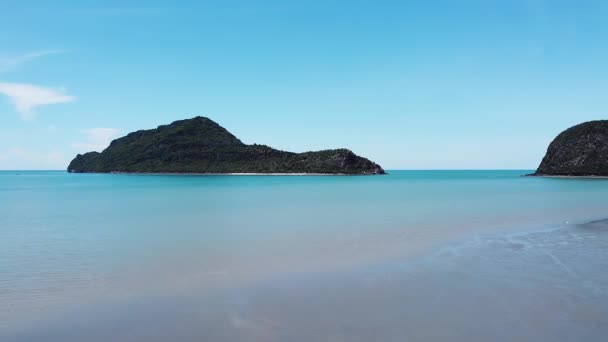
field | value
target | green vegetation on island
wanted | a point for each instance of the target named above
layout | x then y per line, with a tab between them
200	145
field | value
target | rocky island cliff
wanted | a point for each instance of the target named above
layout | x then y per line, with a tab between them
200	145
581	150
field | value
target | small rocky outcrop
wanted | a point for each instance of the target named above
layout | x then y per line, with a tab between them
581	150
200	145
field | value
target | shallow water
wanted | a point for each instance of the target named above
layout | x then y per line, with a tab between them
453	255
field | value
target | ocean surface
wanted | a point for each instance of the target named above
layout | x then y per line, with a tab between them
410	256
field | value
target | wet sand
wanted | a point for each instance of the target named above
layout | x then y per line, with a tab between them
546	285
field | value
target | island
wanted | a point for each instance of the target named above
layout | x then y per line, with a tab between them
200	145
579	151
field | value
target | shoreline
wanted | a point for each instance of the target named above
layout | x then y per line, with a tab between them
568	177
227	174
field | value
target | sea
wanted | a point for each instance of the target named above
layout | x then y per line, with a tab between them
408	256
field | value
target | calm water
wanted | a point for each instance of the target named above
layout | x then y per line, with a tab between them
415	255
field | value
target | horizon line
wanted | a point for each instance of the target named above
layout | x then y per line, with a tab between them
391	169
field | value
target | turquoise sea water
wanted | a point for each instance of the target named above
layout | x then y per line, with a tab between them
424	255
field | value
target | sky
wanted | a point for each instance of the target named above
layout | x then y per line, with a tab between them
429	84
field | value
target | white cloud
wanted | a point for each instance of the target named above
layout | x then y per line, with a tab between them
97	139
27	97
18	158
9	63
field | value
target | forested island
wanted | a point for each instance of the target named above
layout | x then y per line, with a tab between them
200	145
579	151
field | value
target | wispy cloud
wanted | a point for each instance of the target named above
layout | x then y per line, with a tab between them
26	97
97	139
12	62
18	158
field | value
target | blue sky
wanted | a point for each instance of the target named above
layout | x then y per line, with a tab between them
410	84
